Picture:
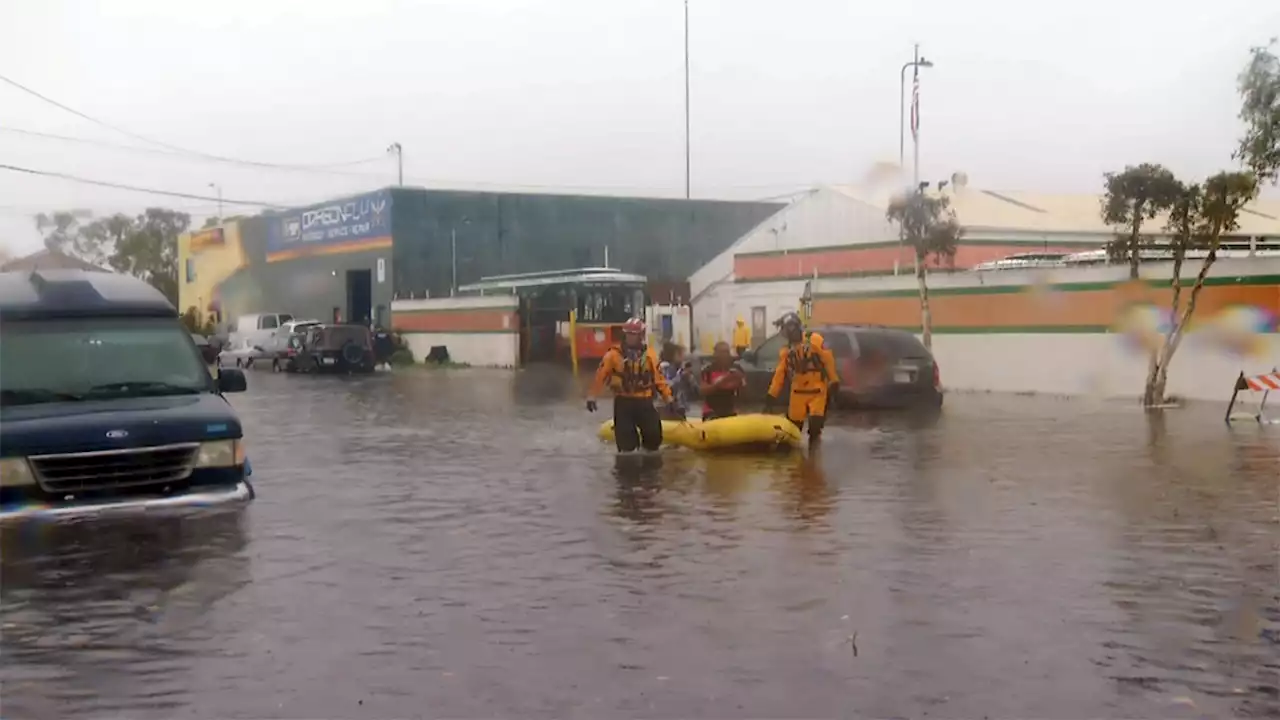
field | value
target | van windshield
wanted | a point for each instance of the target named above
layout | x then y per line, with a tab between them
97	358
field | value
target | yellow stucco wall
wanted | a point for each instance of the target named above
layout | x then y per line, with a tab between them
211	263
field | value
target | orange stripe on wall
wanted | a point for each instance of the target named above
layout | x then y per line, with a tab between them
849	261
377	243
1031	307
455	321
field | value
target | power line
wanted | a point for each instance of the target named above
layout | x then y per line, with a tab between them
173	148
171	153
134	188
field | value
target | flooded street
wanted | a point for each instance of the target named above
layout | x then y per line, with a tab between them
459	544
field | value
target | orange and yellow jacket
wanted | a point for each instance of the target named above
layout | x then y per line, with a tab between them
631	373
809	364
741	334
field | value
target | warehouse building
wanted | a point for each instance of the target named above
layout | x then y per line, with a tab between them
841	232
349	258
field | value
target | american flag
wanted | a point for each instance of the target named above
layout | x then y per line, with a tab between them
915	104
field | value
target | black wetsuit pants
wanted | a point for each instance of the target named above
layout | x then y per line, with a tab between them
636	424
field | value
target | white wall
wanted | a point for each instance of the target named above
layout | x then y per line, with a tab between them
1090	365
715	314
822	217
681	320
474	349
479	343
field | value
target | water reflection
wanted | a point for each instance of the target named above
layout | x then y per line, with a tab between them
639	486
105	609
461	540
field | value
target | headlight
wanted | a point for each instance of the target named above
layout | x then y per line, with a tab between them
15	472
220	454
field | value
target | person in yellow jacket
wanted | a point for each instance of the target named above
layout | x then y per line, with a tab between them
811	368
741	337
631	371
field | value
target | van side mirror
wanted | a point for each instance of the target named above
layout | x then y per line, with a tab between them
231	380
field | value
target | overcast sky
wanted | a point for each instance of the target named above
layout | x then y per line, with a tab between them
588	95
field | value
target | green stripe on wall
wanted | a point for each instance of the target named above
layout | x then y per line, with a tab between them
1058	287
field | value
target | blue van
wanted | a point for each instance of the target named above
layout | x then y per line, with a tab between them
106	404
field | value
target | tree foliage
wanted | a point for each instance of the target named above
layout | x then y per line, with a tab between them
1134	196
1200	217
145	246
1259	86
930	227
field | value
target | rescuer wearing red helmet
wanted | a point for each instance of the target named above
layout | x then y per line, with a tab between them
631	371
811	367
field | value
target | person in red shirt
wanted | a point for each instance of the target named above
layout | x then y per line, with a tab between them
721	379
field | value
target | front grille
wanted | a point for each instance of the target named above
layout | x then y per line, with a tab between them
114	469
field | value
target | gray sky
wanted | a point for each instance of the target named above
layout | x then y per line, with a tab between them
587	95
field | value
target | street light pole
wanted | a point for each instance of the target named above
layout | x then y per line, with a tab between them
687	162
398	151
917	62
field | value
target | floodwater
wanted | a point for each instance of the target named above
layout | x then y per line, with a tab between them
458	544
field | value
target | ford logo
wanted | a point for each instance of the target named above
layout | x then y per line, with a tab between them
117	434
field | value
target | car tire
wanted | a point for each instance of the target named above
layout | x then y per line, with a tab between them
352	354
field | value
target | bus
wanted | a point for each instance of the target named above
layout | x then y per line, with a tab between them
603	299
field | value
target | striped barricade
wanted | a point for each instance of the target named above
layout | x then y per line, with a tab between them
1265	383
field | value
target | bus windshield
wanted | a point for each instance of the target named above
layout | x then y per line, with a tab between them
609	304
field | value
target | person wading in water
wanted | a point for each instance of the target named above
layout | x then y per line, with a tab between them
631	371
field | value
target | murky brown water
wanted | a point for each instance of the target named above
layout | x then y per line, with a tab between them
460	545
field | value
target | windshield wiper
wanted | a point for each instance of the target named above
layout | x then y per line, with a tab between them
145	387
32	396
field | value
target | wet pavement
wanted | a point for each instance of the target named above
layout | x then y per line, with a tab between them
458	544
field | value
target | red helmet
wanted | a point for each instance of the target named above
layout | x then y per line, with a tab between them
634	326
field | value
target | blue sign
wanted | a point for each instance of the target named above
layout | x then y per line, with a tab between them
349	225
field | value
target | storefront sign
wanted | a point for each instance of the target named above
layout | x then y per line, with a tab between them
351	225
204	239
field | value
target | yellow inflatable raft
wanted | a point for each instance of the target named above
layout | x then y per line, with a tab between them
739	432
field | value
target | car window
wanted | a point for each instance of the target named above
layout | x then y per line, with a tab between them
99	356
892	345
268	322
840	343
769	349
285	317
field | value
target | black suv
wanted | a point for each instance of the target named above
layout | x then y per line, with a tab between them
880	368
331	348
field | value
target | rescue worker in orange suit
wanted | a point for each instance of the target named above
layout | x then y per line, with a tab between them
811	368
631	371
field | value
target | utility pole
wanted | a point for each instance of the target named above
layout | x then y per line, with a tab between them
687	164
395	149
453	253
218	188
